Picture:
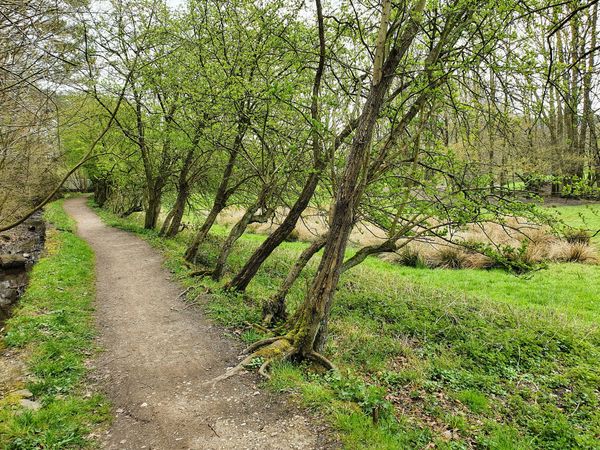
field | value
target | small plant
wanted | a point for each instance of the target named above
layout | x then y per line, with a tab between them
371	398
410	257
451	258
577	252
577	236
474	400
255	363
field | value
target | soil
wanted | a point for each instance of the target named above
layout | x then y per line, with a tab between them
159	357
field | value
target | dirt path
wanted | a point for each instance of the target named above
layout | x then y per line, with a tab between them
158	357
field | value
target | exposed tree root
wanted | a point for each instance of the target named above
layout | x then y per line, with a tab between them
201	273
232	371
258	327
318	358
270	350
258	344
184	293
263	369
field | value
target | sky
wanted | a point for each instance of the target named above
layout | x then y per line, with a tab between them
175	2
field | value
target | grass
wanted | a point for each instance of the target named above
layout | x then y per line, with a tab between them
582	216
568	291
445	358
52	331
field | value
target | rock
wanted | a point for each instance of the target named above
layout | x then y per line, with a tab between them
30	404
23	393
12	261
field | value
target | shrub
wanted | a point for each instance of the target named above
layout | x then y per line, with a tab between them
514	259
577	236
411	257
451	258
576	252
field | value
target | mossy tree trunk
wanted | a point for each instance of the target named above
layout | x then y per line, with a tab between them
311	319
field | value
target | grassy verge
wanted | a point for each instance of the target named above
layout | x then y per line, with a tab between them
52	331
581	216
426	360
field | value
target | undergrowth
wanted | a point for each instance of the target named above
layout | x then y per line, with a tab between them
423	364
52	331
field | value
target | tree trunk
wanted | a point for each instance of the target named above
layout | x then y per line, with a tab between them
588	115
153	209
221	197
318	302
200	236
312	316
167	223
101	191
574	99
245	275
275	310
233	236
249	217
183	194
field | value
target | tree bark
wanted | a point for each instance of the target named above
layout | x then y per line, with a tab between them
154	204
241	280
224	191
249	217
167	223
387	246
183	194
275	310
588	115
312	317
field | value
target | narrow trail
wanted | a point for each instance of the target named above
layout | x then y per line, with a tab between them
158	356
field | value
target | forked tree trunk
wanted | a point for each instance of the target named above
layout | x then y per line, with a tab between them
312	315
249	217
318	301
222	196
275	310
